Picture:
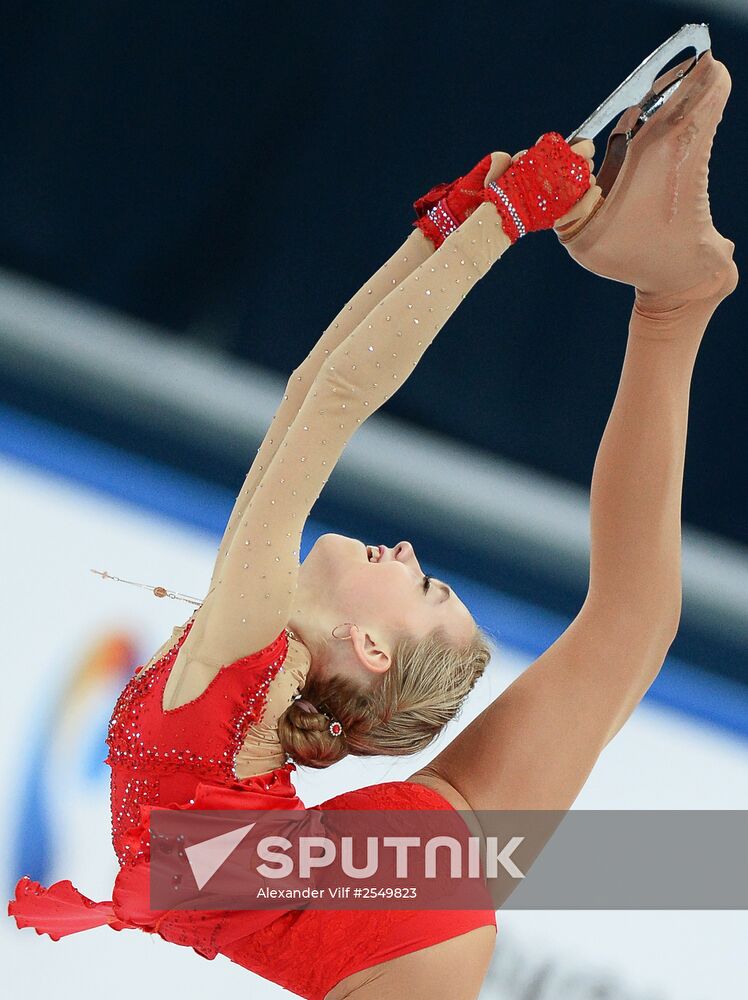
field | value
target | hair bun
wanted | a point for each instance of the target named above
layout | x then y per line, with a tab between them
305	736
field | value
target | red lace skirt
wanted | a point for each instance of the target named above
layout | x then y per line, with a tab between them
310	951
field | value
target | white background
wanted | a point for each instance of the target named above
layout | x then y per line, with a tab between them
62	628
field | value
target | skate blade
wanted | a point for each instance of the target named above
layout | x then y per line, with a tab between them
636	89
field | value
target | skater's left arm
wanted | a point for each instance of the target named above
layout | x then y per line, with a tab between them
415	249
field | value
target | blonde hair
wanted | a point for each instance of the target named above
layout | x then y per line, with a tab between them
402	713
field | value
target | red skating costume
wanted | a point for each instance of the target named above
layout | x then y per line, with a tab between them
183	759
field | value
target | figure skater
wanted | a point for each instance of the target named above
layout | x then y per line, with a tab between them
357	651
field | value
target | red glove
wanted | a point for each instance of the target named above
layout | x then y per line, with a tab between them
444	207
539	187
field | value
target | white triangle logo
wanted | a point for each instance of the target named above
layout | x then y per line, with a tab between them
206	858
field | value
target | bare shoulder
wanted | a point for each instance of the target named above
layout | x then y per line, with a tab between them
455	968
426	776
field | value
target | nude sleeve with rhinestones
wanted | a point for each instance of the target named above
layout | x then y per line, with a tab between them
403	261
253	593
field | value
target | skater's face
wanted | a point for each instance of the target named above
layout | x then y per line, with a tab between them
381	590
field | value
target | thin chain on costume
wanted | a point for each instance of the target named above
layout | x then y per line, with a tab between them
158	591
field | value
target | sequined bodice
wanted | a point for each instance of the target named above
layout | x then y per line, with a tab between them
158	756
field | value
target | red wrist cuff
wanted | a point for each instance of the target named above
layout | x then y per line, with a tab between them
540	187
437	223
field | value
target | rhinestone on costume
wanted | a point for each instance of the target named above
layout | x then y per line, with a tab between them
151	747
510	208
442	218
